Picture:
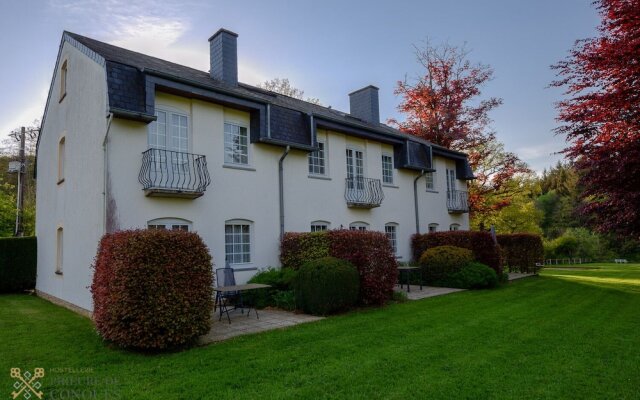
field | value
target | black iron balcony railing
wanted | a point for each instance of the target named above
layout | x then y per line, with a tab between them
363	192
167	173
457	201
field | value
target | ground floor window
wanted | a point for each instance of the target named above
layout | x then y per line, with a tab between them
391	230
237	241
174	224
358	226
454	227
59	250
319	226
433	228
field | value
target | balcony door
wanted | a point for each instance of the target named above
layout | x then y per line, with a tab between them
169	140
451	182
355	170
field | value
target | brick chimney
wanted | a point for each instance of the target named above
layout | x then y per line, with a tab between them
223	56
363	104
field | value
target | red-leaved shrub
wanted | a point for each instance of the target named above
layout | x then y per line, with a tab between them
522	251
298	248
480	243
152	289
370	252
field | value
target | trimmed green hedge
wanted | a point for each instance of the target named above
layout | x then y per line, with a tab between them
327	285
522	251
18	264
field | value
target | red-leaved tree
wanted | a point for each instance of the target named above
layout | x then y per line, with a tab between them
443	107
601	117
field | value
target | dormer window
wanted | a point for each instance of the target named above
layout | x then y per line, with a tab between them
63	80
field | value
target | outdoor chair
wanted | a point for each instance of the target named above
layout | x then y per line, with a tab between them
226	277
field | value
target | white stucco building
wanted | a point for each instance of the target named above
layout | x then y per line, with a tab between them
132	141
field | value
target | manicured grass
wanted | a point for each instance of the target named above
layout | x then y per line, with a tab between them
565	334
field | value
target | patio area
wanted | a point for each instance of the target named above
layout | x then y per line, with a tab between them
241	324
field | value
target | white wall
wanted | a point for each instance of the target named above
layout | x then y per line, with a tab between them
253	194
75	204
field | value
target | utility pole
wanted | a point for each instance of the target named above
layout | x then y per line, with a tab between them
21	185
21	169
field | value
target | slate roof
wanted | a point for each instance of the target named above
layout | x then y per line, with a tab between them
125	77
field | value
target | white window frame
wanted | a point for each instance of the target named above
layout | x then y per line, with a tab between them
229	155
246	239
59	250
169	112
62	151
391	171
430	178
313	157
320	226
434	226
391	231
359	226
170	224
454	227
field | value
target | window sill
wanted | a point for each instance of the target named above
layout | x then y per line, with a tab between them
391	185
432	191
243	269
60	181
239	166
326	178
59	273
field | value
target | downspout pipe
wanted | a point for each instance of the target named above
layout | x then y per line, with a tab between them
415	199
105	172
281	188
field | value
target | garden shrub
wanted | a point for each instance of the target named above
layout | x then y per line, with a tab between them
326	285
370	252
373	256
521	251
480	243
298	248
18	264
152	289
280	294
474	275
440	262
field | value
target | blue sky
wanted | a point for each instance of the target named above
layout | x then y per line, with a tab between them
327	48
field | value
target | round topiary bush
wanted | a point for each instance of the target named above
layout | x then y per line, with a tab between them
326	285
439	262
472	276
152	289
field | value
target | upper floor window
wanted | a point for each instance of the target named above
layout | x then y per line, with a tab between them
61	159
451	180
454	227
430	177
391	230
317	160
236	144
319	226
174	224
433	228
358	226
170	131
59	250
63	80
387	169
237	241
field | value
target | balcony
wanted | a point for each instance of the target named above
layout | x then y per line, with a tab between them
166	173
363	192
457	201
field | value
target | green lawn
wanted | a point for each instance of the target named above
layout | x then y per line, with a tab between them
565	334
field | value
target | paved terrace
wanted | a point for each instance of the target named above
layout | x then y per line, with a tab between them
241	324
